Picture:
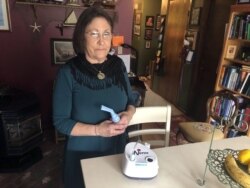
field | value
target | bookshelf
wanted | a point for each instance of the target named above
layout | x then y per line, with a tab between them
233	73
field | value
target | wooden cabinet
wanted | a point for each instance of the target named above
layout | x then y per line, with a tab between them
233	72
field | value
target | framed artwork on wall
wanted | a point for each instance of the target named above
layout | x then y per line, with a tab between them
158	22
137	30
148	34
4	16
195	17
147	44
137	19
149	22
61	50
191	37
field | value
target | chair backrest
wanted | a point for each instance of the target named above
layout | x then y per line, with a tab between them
152	114
223	107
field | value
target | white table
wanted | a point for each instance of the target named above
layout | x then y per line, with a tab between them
179	167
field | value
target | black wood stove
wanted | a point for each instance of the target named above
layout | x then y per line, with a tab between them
20	130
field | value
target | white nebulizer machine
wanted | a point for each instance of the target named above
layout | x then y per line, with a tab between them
139	161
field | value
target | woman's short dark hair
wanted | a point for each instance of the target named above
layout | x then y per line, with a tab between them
83	21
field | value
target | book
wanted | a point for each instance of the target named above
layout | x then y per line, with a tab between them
246	85
242	29
229	74
232	133
244	82
222	73
246	119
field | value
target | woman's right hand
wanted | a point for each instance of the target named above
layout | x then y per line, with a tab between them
108	128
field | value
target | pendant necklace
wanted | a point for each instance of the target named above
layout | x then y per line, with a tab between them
100	75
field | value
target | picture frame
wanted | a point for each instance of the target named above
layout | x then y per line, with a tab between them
137	30
195	16
61	50
189	57
137	18
191	37
5	24
149	22
147	44
148	34
158	23
231	51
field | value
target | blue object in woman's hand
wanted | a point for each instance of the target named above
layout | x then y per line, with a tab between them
115	117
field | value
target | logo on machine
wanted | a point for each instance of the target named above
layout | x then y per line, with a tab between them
139	152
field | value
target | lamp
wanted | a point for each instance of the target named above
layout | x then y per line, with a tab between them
136	6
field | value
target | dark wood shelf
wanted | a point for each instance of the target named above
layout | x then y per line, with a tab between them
238	61
50	5
240	8
61	26
235	92
58	5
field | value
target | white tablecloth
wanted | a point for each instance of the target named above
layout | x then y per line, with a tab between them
179	167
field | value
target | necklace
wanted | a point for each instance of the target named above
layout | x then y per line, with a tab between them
100	75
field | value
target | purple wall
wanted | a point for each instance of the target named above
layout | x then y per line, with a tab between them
25	58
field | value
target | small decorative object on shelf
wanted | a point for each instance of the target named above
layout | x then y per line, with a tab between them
88	2
58	1
109	3
73	2
104	3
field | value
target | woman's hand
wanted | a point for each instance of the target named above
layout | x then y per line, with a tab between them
108	128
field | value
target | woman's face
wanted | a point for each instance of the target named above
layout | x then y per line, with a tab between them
98	37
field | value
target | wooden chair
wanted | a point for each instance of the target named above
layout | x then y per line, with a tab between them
152	114
202	131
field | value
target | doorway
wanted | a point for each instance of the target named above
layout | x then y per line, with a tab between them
167	85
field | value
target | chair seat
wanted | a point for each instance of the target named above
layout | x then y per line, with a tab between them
199	131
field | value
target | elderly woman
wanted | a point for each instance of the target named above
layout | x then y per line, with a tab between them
87	81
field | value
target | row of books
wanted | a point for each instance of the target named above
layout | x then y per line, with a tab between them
223	107
242	123
240	28
236	78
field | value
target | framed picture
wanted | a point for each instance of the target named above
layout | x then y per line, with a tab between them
190	56
158	22
137	30
231	51
61	50
4	16
149	22
137	19
191	37
147	44
195	17
148	34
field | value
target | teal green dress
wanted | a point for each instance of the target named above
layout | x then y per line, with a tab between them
77	97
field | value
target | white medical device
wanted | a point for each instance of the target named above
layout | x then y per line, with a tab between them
139	161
